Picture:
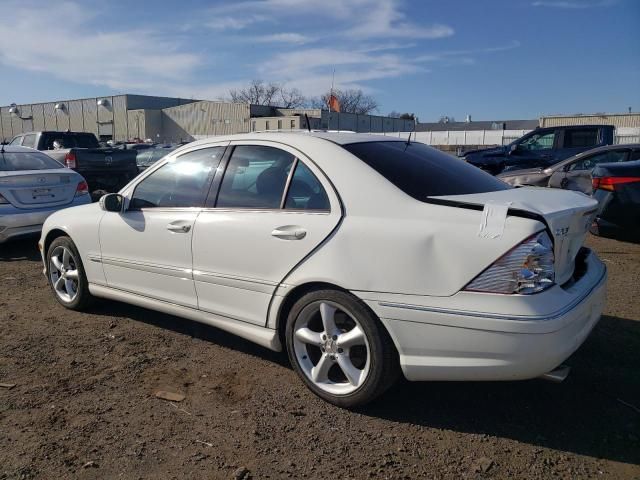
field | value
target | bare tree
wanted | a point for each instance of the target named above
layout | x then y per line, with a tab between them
403	116
351	101
272	94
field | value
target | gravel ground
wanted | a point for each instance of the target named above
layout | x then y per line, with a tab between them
84	405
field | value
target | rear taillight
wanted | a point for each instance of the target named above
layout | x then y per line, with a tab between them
3	201
609	183
70	160
82	189
526	268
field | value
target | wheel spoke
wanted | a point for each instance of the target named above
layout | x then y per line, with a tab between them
58	284
320	373
69	287
327	312
66	256
71	274
353	374
56	263
306	335
353	337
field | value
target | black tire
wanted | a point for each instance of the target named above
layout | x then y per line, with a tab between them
83	297
384	366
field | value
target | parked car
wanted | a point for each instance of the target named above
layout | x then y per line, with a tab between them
573	173
362	255
32	186
541	148
105	169
616	186
148	157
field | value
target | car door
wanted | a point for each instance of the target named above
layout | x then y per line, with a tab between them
146	249
535	150
577	175
272	209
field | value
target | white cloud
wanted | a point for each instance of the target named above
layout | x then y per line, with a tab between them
574	4
234	23
285	37
121	60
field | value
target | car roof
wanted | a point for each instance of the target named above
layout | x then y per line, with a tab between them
300	136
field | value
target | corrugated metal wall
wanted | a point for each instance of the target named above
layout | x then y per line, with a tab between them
76	118
90	115
38	116
5	118
120	128
204	118
625	120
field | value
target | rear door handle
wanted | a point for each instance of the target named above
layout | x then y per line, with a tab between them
289	232
179	227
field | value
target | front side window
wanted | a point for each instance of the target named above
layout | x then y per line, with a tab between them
635	155
255	177
29	141
422	171
538	141
591	161
181	183
15	161
16	141
581	137
305	191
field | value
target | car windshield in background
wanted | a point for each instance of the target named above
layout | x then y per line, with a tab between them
422	171
15	161
152	155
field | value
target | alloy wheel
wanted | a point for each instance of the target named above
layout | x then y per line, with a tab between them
63	273
331	347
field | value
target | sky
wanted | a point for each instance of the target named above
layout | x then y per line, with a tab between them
491	59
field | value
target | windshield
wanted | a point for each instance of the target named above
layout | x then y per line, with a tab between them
422	171
15	161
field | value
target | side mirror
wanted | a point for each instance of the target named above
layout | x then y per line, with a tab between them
513	148
112	202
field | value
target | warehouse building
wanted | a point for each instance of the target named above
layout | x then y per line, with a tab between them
165	119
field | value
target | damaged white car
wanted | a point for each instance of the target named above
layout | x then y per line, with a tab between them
366	257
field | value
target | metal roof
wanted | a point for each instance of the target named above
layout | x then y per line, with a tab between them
478	125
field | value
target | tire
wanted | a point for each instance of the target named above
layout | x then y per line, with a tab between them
352	366
66	275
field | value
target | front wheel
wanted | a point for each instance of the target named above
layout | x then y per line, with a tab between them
66	274
339	348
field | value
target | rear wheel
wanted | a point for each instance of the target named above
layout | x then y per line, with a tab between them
66	274
339	349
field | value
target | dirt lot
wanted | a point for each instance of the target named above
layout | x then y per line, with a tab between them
83	404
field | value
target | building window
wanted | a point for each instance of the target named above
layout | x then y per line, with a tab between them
267	126
227	121
293	124
279	124
253	126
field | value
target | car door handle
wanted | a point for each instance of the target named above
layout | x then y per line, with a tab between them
290	232
178	227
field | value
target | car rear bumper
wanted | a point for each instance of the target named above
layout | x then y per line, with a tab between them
16	222
521	337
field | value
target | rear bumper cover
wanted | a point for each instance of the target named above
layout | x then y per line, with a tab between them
519	337
15	222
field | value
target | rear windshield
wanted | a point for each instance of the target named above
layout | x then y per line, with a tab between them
15	161
422	171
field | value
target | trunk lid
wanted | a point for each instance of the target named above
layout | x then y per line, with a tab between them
568	216
39	188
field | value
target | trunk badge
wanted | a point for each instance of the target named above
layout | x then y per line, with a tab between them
108	160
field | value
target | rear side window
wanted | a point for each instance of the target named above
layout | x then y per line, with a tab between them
422	171
580	137
588	163
635	155
305	191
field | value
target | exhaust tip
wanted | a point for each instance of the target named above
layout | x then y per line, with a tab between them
557	375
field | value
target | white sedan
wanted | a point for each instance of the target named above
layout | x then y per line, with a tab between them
32	186
364	256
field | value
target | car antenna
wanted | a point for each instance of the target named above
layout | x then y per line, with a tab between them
412	131
306	118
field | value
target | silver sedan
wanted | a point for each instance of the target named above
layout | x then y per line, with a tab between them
33	186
